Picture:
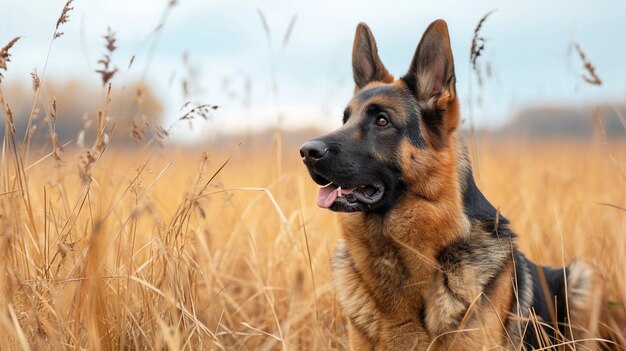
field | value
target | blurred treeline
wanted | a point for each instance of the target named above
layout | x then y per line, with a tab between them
131	108
135	108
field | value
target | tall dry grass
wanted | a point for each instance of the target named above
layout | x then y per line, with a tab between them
161	250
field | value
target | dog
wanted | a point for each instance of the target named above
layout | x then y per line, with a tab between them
426	261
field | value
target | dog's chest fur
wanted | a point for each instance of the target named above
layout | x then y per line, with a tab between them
393	290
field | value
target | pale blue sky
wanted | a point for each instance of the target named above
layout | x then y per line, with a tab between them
527	48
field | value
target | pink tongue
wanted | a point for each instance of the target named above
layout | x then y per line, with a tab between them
328	194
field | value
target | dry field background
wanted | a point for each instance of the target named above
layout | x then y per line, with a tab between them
107	247
155	252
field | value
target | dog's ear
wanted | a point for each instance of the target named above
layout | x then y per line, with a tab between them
431	78
366	65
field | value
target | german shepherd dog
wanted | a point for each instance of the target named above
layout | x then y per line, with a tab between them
426	261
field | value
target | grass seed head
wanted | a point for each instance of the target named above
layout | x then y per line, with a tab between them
107	71
35	79
138	131
63	18
203	111
9	113
5	56
53	112
591	77
478	41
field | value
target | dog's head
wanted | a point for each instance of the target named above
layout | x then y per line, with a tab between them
396	134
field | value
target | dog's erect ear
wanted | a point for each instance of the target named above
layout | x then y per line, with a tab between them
431	78
366	65
432	70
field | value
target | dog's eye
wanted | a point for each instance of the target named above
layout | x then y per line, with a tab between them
381	120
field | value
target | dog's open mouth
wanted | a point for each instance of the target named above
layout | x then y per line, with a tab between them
365	194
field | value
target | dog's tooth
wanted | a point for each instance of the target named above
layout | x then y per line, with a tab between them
339	190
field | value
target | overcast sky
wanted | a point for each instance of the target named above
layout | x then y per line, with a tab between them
528	47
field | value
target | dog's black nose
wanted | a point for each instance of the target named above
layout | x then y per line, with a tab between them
313	151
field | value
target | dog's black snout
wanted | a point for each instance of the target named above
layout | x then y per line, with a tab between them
313	151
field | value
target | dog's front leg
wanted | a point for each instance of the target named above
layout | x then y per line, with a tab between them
445	308
447	312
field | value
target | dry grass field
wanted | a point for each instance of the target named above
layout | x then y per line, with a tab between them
165	249
170	248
